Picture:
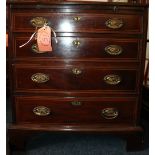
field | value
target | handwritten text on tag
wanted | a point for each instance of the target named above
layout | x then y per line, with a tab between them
44	39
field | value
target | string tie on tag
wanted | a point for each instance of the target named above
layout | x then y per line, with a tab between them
55	37
45	25
28	40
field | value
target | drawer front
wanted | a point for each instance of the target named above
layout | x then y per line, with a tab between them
74	78
78	22
77	110
74	48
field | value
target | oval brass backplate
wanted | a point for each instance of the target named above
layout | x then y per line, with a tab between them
114	23
110	113
113	49
40	78
38	21
41	111
112	79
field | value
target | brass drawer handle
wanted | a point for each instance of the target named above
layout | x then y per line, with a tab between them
114	23
40	78
112	79
76	103
38	21
41	111
110	113
77	18
76	71
113	49
76	43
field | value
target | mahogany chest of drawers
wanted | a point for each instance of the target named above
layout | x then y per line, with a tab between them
91	81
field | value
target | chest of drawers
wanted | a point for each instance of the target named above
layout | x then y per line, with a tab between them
91	81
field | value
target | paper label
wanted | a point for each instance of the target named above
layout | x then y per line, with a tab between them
44	39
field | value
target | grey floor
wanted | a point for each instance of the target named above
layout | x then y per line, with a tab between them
79	144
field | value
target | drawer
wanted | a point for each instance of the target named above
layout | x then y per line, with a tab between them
75	110
74	78
78	22
83	47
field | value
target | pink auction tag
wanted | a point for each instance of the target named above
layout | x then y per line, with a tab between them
44	39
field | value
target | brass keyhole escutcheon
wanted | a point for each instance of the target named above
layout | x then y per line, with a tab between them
76	103
77	18
76	71
76	43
